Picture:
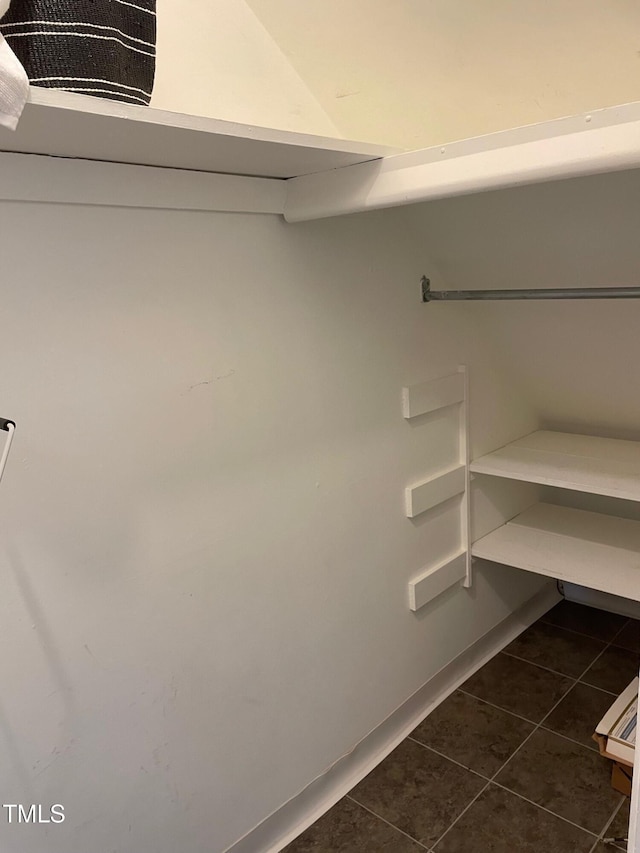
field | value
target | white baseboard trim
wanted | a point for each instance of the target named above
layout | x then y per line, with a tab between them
305	808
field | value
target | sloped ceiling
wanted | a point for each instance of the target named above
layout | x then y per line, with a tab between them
414	73
217	60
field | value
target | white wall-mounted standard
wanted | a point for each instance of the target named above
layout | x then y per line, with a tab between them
423	399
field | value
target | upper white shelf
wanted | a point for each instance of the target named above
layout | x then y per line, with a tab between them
65	124
602	466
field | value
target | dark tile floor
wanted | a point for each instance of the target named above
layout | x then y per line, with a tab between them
506	764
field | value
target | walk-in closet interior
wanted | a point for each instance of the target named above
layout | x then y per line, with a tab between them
272	496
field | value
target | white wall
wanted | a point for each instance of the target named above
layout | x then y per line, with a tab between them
203	550
216	59
577	360
412	73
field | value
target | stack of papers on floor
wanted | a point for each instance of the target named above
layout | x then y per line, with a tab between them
616	731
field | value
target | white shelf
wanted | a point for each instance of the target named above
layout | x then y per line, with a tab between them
601	466
605	140
65	124
587	548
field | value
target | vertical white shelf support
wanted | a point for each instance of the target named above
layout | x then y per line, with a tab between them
465	459
452	390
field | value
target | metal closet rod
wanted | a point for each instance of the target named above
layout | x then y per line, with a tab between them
429	295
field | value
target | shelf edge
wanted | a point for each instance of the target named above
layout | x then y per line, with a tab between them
499	546
497	161
40	178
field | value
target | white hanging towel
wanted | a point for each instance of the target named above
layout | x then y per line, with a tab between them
14	83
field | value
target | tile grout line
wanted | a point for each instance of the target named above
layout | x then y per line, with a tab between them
612	818
532	732
574	681
608	824
597	657
595	686
564	674
566	737
452	760
497	707
552	709
588	683
608	646
530	735
484	787
465	810
557	671
590	636
545	809
482	775
537	726
462	813
617	634
492	779
392	825
540	725
624	648
611	642
499	770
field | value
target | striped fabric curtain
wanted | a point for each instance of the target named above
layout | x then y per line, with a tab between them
104	48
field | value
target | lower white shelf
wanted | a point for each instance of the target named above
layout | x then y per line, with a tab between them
587	548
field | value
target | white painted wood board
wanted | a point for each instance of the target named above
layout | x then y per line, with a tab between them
435	580
31	177
604	140
602	466
65	124
588	548
435	490
429	396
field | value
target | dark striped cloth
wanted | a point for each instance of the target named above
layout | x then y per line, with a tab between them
97	47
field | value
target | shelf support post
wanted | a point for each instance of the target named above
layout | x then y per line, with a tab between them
465	459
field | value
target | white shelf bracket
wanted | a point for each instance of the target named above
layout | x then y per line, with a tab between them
452	390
